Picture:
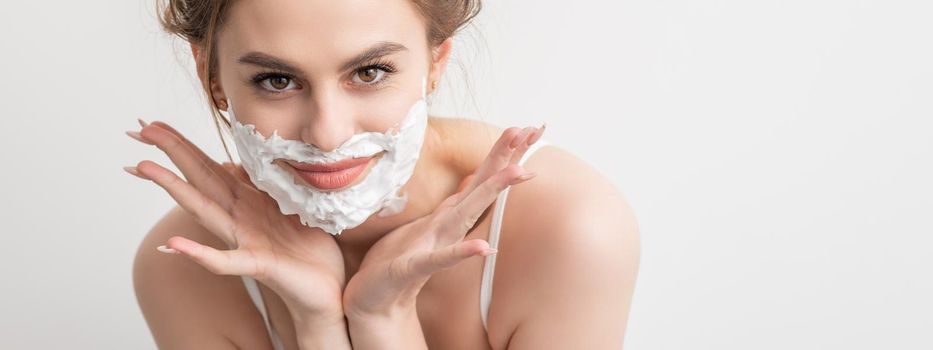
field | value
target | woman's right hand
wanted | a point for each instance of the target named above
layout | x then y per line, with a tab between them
303	265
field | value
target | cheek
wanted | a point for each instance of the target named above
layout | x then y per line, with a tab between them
387	112
374	112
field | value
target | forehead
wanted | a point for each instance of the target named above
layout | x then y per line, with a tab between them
319	30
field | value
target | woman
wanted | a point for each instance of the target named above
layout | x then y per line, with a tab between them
312	82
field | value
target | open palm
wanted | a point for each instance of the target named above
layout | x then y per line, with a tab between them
302	265
397	266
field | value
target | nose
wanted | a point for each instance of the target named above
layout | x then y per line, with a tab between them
330	123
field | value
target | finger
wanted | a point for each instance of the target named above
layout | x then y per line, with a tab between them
520	139
510	154
138	137
497	159
228	179
519	147
534	138
526	143
132	170
220	262
426	264
457	221
208	213
196	171
449	202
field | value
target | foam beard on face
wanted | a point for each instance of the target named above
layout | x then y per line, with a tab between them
338	210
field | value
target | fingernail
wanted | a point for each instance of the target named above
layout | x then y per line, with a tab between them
537	134
489	251
142	122
523	177
135	172
167	250
136	135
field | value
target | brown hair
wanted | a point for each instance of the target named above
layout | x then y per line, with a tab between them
198	21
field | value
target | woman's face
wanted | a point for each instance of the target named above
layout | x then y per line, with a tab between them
320	71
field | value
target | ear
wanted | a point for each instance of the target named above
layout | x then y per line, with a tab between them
201	65
439	58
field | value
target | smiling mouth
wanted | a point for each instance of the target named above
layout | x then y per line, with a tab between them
332	176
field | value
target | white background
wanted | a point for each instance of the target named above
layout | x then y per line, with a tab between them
777	154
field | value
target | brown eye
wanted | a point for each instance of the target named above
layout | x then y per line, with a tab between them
368	75
279	83
275	83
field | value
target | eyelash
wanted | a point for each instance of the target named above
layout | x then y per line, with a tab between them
383	65
380	64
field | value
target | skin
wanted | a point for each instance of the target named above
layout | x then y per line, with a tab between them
569	242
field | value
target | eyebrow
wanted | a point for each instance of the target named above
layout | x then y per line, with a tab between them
382	48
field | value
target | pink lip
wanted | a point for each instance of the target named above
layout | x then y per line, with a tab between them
331	175
330	167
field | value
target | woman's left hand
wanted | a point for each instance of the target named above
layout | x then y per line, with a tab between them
397	266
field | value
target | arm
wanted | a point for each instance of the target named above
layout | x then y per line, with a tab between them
582	283
398	330
380	299
314	334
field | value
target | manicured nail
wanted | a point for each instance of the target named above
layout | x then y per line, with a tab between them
136	135
142	122
537	134
167	250
489	251
523	177
135	172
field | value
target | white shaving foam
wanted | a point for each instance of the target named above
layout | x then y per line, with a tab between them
338	210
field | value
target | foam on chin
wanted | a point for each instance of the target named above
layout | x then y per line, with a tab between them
335	211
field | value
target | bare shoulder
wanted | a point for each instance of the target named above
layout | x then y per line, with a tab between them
187	306
568	258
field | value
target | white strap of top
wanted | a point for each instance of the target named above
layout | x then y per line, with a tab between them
485	292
